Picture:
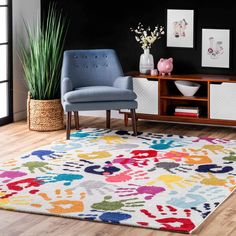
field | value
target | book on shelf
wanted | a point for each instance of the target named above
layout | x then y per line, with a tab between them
189	114
187	109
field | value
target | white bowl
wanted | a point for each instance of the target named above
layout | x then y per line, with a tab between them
187	88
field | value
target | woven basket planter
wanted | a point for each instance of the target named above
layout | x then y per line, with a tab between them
44	115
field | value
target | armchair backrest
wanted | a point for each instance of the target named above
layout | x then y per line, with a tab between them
98	67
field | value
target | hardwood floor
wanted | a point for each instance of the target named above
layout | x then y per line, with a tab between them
15	139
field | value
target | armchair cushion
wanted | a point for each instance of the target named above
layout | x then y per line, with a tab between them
66	85
99	93
124	82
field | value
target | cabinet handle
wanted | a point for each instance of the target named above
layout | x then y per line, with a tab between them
217	83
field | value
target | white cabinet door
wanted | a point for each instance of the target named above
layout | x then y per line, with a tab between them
223	101
147	93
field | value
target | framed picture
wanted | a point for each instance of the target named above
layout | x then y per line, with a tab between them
180	28
216	48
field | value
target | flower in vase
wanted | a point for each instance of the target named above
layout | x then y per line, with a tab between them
146	37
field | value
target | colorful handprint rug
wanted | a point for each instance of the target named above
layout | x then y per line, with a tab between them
159	181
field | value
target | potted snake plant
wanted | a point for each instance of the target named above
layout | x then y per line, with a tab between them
41	60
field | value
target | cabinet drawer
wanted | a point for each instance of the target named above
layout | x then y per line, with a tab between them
147	95
223	101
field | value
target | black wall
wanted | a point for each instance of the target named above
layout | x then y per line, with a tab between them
97	24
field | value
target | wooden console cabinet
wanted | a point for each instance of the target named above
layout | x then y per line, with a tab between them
158	97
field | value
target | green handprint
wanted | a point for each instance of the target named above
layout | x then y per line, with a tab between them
230	157
107	205
34	165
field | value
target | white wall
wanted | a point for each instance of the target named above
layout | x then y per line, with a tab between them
27	10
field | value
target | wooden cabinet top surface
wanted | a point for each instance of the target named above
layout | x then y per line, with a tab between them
193	77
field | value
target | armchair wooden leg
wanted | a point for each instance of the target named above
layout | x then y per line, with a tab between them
126	119
68	124
108	119
134	121
76	117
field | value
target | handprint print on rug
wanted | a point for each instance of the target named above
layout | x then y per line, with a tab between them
30	184
171	167
210	140
66	178
94	186
163	144
109	217
178	220
126	176
196	196
214	168
43	154
206	208
10	175
139	158
210	179
215	149
75	166
64	204
134	189
23	200
33	166
124	205
172	181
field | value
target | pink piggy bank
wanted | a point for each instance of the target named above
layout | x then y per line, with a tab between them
165	66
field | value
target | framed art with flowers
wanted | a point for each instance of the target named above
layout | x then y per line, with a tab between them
180	28
216	48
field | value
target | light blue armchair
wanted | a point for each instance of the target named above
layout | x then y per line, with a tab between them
94	80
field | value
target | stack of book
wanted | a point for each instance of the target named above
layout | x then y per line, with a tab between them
187	111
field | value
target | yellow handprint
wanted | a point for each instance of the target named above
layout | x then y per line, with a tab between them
110	139
170	180
94	155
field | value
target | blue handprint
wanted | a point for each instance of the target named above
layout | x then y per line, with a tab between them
187	201
109	217
43	154
163	144
66	147
66	178
213	168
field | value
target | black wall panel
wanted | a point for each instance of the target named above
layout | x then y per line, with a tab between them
98	24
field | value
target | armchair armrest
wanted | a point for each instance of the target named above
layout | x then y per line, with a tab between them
66	86
124	82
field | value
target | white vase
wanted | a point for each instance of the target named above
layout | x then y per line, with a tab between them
146	63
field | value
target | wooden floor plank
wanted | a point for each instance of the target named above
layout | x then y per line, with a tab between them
16	139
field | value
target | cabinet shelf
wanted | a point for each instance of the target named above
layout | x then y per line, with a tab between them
158	98
179	97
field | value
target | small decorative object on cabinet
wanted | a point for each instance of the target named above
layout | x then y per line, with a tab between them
154	72
165	66
187	88
213	103
146	62
146	37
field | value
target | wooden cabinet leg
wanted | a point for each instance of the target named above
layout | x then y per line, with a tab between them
134	121
126	119
76	117
68	124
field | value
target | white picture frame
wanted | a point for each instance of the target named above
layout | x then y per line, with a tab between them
180	28
216	48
